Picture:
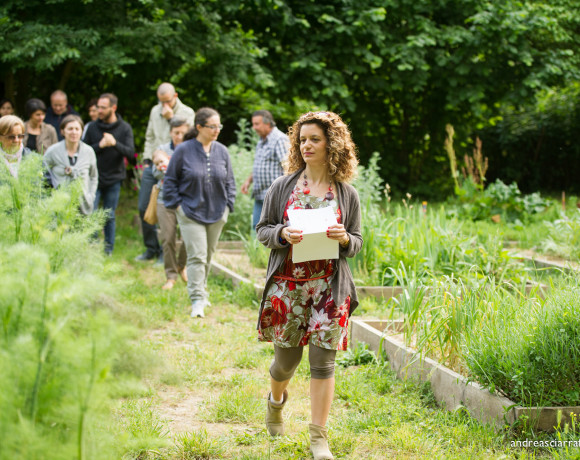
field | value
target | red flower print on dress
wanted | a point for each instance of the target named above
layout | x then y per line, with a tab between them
266	320
280	311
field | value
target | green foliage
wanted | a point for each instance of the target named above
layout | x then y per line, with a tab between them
397	71
498	199
197	445
534	145
369	186
432	244
50	221
242	156
256	251
55	345
564	236
356	356
528	350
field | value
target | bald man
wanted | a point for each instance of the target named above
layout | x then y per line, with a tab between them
59	108
157	134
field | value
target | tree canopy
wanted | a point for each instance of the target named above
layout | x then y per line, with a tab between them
397	70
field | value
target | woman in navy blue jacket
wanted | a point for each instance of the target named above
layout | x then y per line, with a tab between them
200	184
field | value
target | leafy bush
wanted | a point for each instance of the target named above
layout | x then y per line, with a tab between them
498	199
356	356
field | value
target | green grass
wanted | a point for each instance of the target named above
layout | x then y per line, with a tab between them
218	371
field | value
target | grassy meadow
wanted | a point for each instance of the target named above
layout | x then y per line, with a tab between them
196	388
100	363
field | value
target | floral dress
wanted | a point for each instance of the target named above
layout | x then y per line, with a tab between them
299	308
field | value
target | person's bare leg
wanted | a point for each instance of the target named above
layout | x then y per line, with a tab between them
278	388
321	394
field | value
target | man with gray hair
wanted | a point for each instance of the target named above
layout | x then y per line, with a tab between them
59	108
157	134
271	151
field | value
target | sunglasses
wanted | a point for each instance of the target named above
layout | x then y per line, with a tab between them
13	137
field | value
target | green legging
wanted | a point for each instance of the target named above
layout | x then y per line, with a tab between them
286	361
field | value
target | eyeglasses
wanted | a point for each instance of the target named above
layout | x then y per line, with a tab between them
13	137
214	127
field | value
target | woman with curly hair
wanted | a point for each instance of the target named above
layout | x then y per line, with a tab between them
309	303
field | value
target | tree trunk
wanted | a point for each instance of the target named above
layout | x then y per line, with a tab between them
66	73
9	89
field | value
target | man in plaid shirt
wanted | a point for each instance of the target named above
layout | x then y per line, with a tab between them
271	151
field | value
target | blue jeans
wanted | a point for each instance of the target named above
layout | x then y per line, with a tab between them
153	248
110	197
258	205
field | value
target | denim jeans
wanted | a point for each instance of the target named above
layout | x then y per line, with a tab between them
110	197
258	205
153	248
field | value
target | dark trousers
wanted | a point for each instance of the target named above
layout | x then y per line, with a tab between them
153	248
110	196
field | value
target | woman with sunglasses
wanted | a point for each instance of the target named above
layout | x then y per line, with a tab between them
200	185
309	303
11	149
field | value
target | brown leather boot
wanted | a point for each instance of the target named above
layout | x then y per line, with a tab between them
319	442
274	420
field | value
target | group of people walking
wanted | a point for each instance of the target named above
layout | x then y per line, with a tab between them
304	303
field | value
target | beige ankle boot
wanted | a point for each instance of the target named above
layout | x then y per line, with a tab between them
274	420
319	442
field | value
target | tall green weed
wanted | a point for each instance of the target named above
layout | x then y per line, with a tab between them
242	158
529	350
56	347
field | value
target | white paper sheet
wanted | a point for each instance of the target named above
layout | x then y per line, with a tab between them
315	245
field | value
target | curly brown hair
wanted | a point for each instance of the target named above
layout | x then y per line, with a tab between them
342	155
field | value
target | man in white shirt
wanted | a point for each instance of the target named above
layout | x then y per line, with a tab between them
157	134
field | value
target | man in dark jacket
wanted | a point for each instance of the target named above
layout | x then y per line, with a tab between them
59	108
112	140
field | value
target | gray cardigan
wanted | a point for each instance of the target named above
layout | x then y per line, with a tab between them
56	160
271	224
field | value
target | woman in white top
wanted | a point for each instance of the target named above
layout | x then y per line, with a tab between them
11	149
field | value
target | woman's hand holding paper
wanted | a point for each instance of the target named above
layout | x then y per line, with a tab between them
292	235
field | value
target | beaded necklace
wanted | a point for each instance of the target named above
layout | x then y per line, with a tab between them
329	195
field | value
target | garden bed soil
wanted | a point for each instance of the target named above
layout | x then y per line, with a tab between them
452	390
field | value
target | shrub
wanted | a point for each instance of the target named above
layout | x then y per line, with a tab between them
55	347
